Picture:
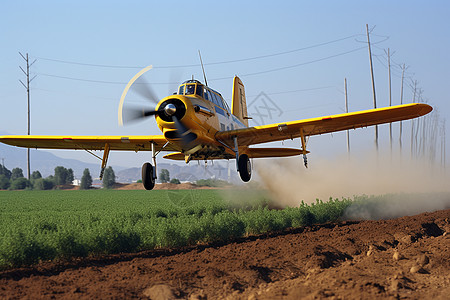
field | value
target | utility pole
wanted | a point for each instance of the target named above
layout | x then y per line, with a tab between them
346	110
443	150
412	120
401	102
27	87
373	85
390	96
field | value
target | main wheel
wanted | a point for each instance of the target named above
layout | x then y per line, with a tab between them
245	167
147	176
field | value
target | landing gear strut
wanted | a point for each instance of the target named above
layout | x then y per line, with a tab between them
304	152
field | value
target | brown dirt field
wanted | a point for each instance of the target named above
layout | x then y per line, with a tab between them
401	258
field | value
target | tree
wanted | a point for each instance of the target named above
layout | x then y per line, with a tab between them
86	180
109	178
60	175
16	173
175	180
34	178
70	176
36	175
5	171
164	176
4	182
63	176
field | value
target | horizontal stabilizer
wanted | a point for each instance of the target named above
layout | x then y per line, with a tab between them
251	152
174	156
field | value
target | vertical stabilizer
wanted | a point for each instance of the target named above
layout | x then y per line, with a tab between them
238	102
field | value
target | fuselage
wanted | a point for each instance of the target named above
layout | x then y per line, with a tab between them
204	112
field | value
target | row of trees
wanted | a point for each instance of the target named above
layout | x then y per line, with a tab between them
14	180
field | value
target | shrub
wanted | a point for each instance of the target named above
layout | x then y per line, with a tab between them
18	249
175	181
20	184
211	182
43	184
67	246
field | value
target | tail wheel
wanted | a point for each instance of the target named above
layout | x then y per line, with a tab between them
147	176
245	167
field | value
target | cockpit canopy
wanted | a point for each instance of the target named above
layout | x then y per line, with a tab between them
196	88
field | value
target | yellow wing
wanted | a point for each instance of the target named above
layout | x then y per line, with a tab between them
125	143
315	126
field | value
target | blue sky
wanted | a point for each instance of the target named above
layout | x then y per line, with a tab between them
328	38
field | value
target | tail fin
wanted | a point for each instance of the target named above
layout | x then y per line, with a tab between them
238	102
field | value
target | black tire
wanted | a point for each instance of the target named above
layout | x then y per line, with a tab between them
245	167
147	176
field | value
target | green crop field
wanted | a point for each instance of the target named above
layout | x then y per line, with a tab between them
46	225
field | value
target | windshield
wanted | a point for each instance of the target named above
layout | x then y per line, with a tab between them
199	90
190	89
181	90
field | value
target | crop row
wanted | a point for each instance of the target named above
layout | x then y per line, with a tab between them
48	225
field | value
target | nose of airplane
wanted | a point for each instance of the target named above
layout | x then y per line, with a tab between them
170	109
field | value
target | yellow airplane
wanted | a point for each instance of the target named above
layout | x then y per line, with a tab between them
197	124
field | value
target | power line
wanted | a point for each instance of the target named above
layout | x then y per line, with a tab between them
249	96
398	75
214	79
82	79
301	64
296	91
206	64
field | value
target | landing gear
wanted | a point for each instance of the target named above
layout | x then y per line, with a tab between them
244	167
304	152
148	180
149	171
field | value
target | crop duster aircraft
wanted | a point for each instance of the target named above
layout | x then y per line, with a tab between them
197	124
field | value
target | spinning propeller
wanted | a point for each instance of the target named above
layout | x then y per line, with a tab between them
170	110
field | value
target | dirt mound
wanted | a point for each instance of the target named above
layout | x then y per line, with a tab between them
407	257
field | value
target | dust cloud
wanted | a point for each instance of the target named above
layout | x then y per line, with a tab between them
289	182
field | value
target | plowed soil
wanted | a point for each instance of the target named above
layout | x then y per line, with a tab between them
407	257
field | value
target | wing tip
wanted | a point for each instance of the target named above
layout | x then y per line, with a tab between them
424	108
